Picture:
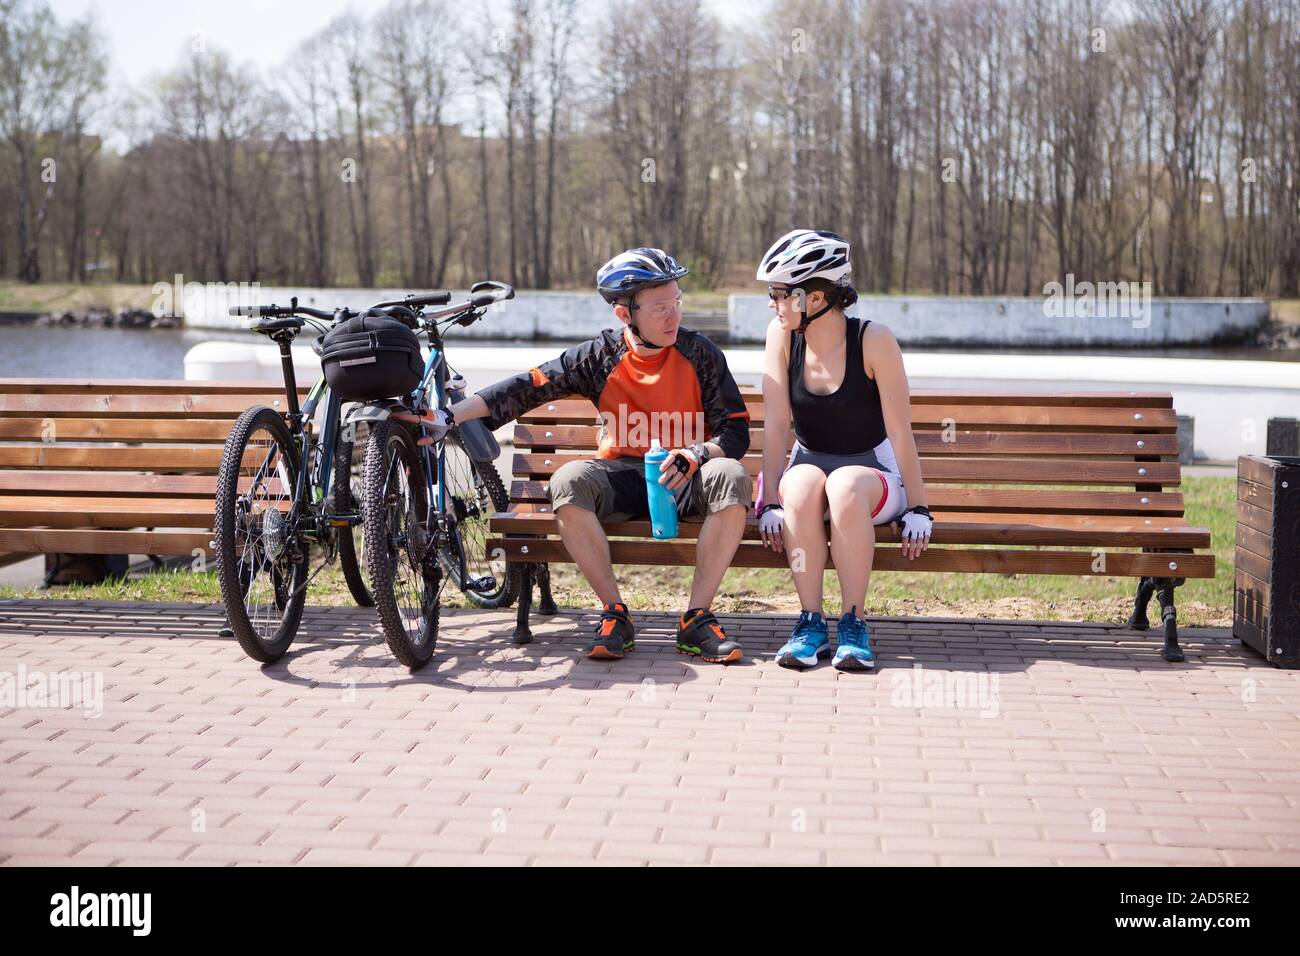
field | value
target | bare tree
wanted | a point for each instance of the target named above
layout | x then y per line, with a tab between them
48	76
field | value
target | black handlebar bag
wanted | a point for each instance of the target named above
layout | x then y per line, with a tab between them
371	357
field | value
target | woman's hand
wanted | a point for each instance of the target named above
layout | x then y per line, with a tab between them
916	525
771	526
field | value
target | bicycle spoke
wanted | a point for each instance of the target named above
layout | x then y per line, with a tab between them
469	500
256	565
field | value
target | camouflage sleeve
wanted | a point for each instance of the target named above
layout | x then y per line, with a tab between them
724	408
575	371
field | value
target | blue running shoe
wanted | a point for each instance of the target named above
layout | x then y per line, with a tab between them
854	652
809	642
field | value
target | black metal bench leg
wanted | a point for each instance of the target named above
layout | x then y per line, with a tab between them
1138	620
53	573
1171	651
547	603
522	634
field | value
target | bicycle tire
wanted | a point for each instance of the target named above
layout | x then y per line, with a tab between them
344	501
288	594
389	561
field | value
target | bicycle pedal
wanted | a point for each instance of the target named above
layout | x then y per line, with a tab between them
226	631
485	583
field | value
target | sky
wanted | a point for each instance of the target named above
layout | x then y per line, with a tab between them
146	37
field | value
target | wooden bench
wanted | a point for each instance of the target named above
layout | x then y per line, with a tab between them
114	467
1121	447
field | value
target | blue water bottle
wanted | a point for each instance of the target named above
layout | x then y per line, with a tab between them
663	505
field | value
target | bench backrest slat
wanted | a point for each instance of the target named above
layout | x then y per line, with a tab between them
964	442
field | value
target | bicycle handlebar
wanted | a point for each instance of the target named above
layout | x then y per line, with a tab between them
279	311
417	301
482	294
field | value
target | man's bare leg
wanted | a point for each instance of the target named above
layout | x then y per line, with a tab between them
586	542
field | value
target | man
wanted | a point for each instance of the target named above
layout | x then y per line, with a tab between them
650	379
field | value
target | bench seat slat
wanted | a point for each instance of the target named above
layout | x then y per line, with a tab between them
989	518
85	511
981	529
78	541
1024	561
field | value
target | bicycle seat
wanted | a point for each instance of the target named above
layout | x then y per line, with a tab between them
269	326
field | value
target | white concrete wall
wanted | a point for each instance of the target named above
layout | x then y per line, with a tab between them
916	320
530	315
973	320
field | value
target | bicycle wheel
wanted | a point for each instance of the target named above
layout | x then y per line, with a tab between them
404	576
347	493
262	586
474	491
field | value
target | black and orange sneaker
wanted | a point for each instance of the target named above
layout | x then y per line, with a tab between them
615	636
700	635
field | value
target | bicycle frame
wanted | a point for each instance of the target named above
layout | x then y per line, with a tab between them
323	476
322	473
435	375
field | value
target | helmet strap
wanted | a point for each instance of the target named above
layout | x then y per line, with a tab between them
636	333
805	319
641	340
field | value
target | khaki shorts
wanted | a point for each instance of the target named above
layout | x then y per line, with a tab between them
614	488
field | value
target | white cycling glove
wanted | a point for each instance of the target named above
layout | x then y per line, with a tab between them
772	521
916	523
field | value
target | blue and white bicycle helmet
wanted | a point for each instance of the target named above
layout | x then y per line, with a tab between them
636	269
629	272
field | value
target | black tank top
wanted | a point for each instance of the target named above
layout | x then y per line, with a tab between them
849	421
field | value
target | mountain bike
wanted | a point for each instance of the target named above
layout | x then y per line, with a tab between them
426	507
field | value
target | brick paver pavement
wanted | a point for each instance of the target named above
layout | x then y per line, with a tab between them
1072	744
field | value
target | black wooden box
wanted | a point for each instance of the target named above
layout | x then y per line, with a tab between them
1266	599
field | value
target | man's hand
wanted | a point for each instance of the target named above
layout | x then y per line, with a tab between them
678	468
435	423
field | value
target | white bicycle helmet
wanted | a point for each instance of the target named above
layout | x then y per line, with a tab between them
806	254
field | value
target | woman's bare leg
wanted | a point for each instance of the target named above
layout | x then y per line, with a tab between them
803	497
853	493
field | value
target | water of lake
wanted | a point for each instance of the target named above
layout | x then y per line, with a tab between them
65	352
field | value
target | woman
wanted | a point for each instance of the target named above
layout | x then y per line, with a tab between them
841	380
